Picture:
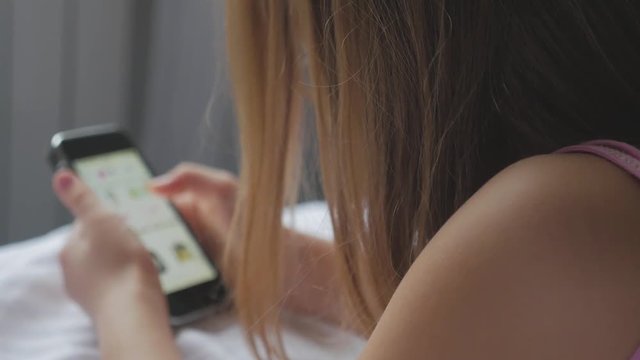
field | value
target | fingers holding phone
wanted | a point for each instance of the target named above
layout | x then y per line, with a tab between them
205	197
101	255
74	194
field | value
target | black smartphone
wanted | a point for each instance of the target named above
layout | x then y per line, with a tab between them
106	159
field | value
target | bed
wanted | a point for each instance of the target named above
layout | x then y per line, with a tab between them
38	320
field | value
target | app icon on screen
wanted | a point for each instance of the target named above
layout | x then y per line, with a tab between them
182	253
136	192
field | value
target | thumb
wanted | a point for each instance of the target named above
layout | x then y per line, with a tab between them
75	194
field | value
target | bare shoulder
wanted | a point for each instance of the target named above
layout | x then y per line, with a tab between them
585	184
543	262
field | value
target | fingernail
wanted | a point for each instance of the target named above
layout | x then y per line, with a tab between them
65	183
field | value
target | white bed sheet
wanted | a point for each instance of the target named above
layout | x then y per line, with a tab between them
38	320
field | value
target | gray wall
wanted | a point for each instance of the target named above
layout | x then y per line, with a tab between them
6	10
152	66
188	77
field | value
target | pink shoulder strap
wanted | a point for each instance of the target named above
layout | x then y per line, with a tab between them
623	155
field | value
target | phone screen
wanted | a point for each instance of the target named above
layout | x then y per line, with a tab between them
120	179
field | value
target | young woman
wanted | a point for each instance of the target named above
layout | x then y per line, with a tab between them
461	230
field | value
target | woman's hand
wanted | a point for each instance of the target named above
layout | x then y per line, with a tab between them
113	278
206	198
102	257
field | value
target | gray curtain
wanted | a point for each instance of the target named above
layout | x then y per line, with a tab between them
153	66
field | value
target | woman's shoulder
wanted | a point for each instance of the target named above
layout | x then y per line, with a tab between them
542	262
569	199
581	186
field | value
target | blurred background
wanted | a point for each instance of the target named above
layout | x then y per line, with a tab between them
153	66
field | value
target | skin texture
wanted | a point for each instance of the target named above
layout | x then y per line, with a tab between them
111	276
541	263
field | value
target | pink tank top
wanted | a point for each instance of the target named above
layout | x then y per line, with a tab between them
623	155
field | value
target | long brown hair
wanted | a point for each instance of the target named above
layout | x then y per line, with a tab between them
417	104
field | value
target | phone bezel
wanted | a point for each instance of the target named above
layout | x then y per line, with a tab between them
69	146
